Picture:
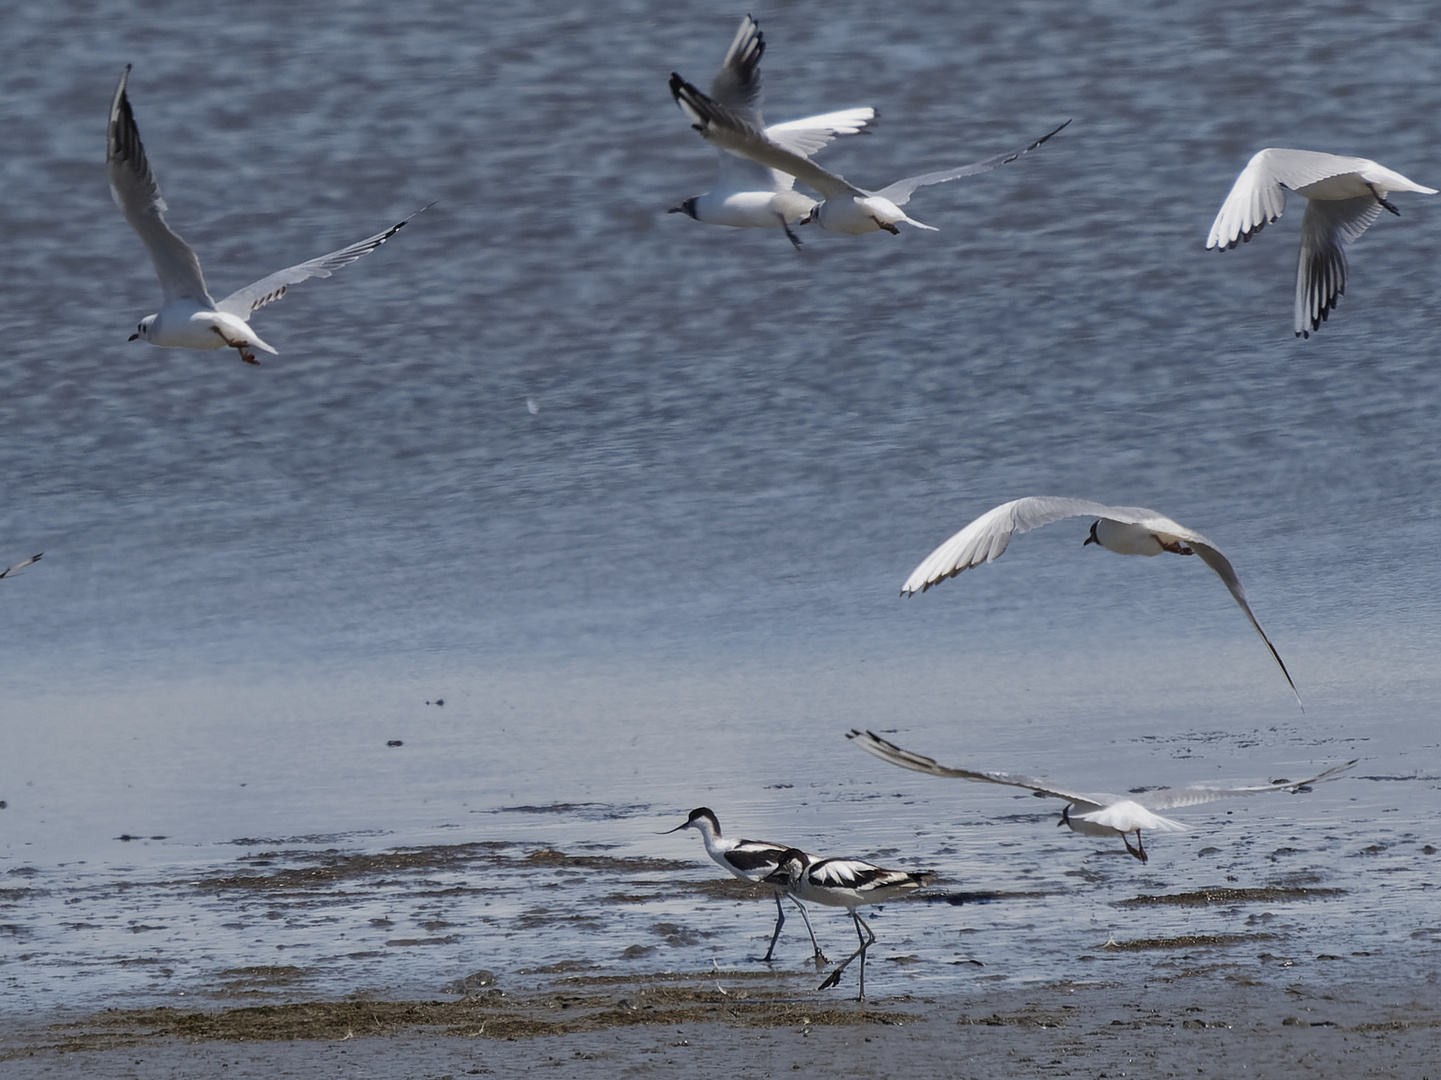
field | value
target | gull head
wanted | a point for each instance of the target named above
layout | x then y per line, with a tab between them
687	208
1093	538
143	330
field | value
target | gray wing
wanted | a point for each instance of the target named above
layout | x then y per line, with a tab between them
986	538
1169	798
11	571
1321	268
888	751
138	196
737	85
900	192
732	131
1222	565
244	301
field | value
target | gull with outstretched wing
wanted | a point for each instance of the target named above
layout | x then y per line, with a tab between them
1344	195
1126	530
1093	813
188	317
845	208
746	194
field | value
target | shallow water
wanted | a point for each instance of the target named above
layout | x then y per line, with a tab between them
674	582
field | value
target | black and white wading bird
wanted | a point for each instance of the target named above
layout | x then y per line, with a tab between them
1093	814
11	571
1344	195
751	196
844	208
750	860
847	883
188	318
1126	530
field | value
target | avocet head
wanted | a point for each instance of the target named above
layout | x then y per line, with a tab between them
789	867
687	208
143	330
700	818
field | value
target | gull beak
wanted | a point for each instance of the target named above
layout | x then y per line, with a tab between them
132	337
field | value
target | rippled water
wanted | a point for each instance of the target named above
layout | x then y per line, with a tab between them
674	582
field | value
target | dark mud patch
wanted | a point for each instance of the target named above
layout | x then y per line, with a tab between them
305	870
1029	1018
593	811
1189	941
662	1000
1270	894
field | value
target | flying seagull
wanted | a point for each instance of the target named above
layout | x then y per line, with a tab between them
748	195
11	571
846	883
1093	814
1344	195
1126	530
189	318
845	208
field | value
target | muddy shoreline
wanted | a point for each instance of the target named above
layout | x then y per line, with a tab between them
726	1023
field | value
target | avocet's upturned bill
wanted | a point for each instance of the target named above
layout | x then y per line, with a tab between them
11	571
845	208
1093	814
751	196
188	317
749	860
1344	195
847	883
1126	530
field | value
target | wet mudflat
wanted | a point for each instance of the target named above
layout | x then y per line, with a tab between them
340	957
1197	1022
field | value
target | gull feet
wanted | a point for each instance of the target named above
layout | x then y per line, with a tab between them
890	228
1383	201
1178	548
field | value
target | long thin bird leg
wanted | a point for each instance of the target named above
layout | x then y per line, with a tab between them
835	976
780	921
820	957
864	946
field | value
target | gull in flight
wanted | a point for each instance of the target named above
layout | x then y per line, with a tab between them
749	860
845	208
1093	814
846	883
1126	530
189	318
746	194
11	571
1344	195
